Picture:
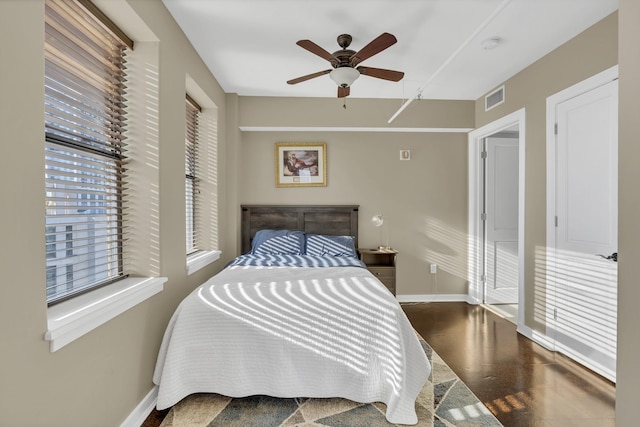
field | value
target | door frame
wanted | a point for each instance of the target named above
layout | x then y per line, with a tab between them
496	145
580	88
475	204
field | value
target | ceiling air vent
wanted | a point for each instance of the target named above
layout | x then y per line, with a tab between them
494	99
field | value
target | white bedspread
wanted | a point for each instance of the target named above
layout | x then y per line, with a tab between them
293	332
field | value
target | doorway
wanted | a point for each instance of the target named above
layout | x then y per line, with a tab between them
496	216
582	229
501	217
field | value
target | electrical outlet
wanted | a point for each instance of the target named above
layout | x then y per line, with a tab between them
433	268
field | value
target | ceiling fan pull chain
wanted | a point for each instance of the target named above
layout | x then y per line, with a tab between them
344	102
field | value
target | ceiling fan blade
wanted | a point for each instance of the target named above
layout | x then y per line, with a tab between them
308	77
343	91
377	45
381	73
315	49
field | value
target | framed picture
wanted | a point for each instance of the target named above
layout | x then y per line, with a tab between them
302	164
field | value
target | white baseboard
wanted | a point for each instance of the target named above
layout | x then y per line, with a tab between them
142	411
537	337
433	298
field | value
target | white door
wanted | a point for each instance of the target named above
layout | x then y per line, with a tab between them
501	208
587	227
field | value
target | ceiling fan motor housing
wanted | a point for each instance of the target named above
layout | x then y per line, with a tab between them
344	40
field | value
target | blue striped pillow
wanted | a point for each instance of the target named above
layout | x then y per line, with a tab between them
278	242
324	245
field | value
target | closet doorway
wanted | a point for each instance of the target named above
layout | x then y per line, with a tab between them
582	221
496	215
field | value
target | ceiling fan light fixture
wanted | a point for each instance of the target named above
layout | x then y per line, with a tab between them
344	76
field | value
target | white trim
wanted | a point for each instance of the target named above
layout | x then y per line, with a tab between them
350	129
473	300
475	196
69	320
432	298
200	260
142	411
535	336
587	362
549	343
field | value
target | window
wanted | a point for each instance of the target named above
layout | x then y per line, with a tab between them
191	175
85	120
201	178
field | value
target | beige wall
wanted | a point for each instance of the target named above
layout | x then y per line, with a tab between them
628	374
585	55
98	379
424	200
274	112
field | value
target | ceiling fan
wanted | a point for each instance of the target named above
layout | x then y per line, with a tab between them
345	62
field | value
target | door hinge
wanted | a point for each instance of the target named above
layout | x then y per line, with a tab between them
555	128
556	220
483	216
483	278
483	154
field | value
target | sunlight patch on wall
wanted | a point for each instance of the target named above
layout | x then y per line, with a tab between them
446	247
142	219
542	310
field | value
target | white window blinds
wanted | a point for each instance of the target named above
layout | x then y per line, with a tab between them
191	175
85	119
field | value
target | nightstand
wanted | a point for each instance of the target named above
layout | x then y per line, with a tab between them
382	264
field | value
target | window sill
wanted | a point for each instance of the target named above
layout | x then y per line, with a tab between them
200	260
69	320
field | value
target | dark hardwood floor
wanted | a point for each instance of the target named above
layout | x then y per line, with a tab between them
522	383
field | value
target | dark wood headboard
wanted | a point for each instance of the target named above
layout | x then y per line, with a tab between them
337	220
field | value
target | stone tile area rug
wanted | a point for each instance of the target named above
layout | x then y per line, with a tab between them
445	401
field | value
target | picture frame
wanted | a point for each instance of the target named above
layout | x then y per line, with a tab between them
301	164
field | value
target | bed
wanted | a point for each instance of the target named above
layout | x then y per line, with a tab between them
296	315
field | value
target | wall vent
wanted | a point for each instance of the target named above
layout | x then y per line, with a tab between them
494	99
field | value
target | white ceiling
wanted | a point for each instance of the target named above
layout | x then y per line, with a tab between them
250	45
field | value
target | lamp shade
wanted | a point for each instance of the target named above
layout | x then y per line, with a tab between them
377	220
344	76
